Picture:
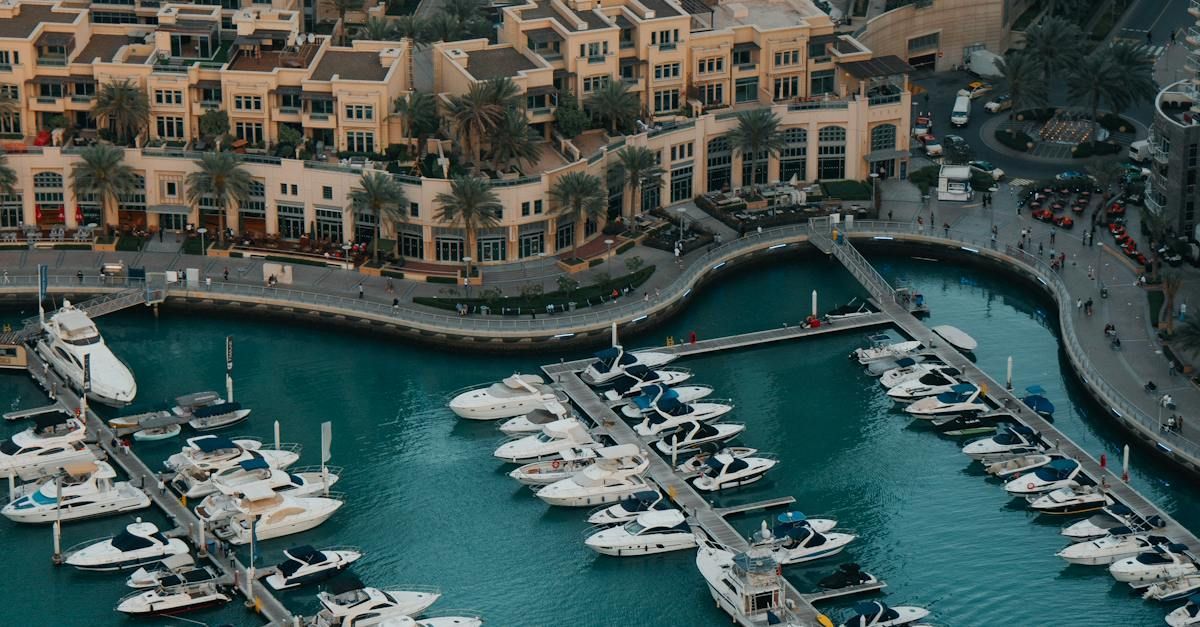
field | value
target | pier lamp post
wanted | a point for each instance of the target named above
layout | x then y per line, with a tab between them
467	275
875	192
608	252
682	212
202	231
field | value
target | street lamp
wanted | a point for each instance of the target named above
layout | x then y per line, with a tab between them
875	191
346	255
467	275
608	243
682	212
202	231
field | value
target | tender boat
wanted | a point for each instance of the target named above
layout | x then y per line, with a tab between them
616	474
930	384
361	605
800	541
878	614
913	371
548	471
1163	562
512	396
962	398
1188	614
654	531
301	481
886	352
173	566
555	439
174	600
1059	473
970	424
1076	500
956	338
86	490
747	586
638	377
207	454
877	368
690	436
787	522
264	514
305	565
54	441
670	414
1038	403
157	433
611	363
726	471
1173	590
629	508
1015	441
847	575
1019	465
1109	549
1115	516
69	336
697	462
140	543
534	420
849	310
654	397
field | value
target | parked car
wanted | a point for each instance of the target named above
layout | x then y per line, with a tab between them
933	148
922	126
1074	176
987	167
976	89
998	104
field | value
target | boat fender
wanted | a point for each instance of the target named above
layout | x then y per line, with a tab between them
1029	486
555	464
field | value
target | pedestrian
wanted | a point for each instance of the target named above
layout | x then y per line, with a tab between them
678	261
79	275
113	444
395	304
390	286
692	338
160	234
1171	369
1039	249
360	291
1149	37
657	293
1179	424
208	282
1079	304
920	221
6	277
646	297
226	273
1172	38
1053	231
946	228
1091	273
162	486
1087	305
889	219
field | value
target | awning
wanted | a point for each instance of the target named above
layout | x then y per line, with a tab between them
623	22
886	155
749	45
631	61
207	85
189	26
182	210
561	74
287	89
888	65
47	80
541	89
543	35
55	39
82	80
316	95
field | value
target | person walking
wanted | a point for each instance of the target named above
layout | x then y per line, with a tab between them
360	291
395	304
1039	249
1053	231
226	273
1079	304
6	277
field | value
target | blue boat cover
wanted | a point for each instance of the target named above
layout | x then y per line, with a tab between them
1039	404
1066	465
905	362
1120	509
219	409
641	371
1022	429
607	354
791	517
254	463
214	443
671	405
1036	390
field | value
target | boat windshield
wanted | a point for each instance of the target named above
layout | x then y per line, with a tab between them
10	448
634	527
1154	558
543	437
126	541
83	341
1006	438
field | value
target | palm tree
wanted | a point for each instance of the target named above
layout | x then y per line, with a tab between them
513	140
377	29
472	204
1026	89
415	30
102	171
756	135
342	7
1106	171
418	116
125	106
443	27
580	197
1093	79
639	168
380	194
504	92
8	176
461	10
222	178
1055	45
1135	71
616	104
474	113
1187	336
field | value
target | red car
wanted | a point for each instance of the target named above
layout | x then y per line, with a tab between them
1064	221
1124	240
1117	230
1116	209
1045	215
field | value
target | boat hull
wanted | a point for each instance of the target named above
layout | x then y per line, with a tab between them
48	515
663	543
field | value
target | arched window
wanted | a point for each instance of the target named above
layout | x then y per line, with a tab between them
883	137
793	158
720	160
47	180
831	153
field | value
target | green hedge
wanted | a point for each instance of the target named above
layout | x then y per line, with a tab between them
1016	140
191	246
72	247
847	190
392	273
595	262
442	279
925	178
236	254
517	305
624	248
1091	149
13	246
296	260
130	243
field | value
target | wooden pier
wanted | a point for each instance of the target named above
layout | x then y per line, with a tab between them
22	414
755	506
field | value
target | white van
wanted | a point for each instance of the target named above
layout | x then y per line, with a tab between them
962	109
1139	151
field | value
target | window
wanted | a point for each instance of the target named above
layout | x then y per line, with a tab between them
665	39
666	71
883	137
320	107
535	101
290	100
171	189
709	66
252	132
787	87
412	245
329	225
48	194
414	210
681	184
594	83
924	42
831	153
545	48
360	141
1193	154
291	221
10	122
821	83
169	127
746	90
666	100
326	192
12	91
818	51
564	236
255	206
247	103
525	209
594	51
742	57
754	168
491	247
51	90
793	159
10	210
449	248
168	97
720	158
360	112
533	244
210	94
681	151
135	200
537	208
787	57
10	57
283	188
711	94
364	227
295	190
107	17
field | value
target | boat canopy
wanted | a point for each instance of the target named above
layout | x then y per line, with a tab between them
193	576
210	443
791	517
220	409
1057	470
653	392
47	422
718	462
1039	404
672	406
254	463
905	362
257	491
1119	509
520	381
619	451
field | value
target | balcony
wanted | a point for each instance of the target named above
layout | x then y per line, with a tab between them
887	99
746	67
5	67
289	110
596	58
1152	205
83	99
52	61
210	105
1194	8
667	45
48	100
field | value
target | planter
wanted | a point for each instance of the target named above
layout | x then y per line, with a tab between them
756	205
364	269
110	247
572	268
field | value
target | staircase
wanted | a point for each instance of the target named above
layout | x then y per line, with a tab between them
100	305
819	230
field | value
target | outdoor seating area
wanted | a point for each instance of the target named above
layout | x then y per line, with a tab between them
323	249
31	233
765	207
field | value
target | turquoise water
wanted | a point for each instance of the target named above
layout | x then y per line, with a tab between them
429	505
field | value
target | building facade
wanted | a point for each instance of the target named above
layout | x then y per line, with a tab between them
941	34
1171	189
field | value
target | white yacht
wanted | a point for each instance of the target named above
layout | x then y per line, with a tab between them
1014	441
690	436
877	368
1019	465
534	420
1059	473
653	397
913	370
86	490
548	471
305	565
747	586
723	471
638	377
878	614
1109	549
962	398
615	475
556	438
801	542
929	384
70	335
54	441
612	362
1161	563
1173	590
226	501
670	414
1103	524
257	468
512	396
217	415
885	352
654	531
174	600
629	508
363	606
174	566
699	461
1075	500
207	454
1187	614
265	514
140	543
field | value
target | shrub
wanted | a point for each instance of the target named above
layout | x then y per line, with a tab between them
72	247
614	228
634	263
595	262
624	248
130	243
1016	140
441	279
847	190
1089	149
924	178
392	273
300	261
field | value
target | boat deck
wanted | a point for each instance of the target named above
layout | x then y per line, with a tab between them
35	411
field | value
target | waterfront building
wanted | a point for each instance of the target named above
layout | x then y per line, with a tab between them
941	34
1171	188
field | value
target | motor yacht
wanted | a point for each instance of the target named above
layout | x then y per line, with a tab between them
913	371
302	481
545	472
877	368
512	396
970	424
748	586
847	575
1114	516
264	514
140	543
226	501
69	337
1059	473
723	471
638	377
174	566
85	490
962	398
611	363
669	414
956	337
629	508
1173	590
697	462
217	416
555	439
360	606
654	531
1187	614
851	309
1014	441
885	352
789	522
1076	500
1162	562
801	542
153	434
306	565
690	436
655	397
930	384
206	454
534	420
616	474
878	614
1018	466
1109	549
54	441
174	600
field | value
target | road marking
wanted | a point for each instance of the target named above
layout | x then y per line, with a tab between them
1020	182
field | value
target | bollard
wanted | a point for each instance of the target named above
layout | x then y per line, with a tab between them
1103	460
1125	466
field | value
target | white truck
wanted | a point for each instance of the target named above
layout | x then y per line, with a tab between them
954	183
1139	151
962	109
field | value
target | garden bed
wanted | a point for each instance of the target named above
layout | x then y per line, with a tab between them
559	300
847	190
1015	140
130	243
1093	149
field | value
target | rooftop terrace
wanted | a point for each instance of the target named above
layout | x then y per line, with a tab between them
350	66
270	60
764	13
103	47
493	63
22	25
